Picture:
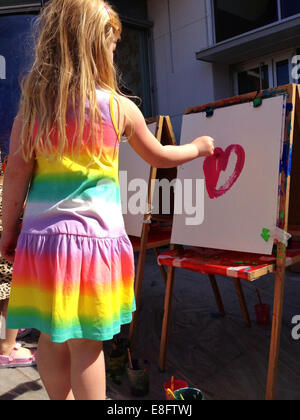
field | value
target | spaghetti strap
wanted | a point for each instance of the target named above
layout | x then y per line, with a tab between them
112	114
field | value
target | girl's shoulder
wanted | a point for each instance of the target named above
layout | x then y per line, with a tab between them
103	95
104	98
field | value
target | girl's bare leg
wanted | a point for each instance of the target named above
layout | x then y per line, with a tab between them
87	369
53	361
7	344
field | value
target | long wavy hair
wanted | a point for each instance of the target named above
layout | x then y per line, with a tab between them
72	60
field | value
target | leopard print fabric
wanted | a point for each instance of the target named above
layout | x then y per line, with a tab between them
5	278
5	267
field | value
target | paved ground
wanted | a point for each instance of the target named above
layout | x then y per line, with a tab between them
220	356
22	383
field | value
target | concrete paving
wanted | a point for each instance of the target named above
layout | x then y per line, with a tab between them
220	356
22	383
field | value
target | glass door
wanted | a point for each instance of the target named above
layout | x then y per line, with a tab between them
16	48
268	72
253	79
283	68
132	62
253	76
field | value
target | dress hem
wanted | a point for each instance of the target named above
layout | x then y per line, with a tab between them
76	333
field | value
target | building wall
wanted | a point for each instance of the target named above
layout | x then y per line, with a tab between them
181	28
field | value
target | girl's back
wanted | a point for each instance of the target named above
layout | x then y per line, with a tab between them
79	194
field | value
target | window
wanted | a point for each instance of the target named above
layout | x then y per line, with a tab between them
132	61
15	47
289	8
282	72
266	72
132	56
253	79
236	17
11	3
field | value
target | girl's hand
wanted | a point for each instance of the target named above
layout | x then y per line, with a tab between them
8	243
205	145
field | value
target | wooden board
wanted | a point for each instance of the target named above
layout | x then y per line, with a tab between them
136	168
133	168
245	199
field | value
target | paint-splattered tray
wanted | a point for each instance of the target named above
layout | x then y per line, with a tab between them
226	263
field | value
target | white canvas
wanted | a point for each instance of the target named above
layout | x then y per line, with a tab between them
236	219
135	168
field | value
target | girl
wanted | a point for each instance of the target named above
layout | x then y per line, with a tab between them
73	262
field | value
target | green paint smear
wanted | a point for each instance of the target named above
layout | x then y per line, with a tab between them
266	234
257	102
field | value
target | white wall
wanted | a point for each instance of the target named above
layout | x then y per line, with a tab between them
180	30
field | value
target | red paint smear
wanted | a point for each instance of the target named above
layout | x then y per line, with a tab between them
213	165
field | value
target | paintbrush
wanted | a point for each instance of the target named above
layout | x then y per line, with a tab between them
129	359
172	383
171	394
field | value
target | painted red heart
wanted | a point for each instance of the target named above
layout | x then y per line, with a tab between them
213	165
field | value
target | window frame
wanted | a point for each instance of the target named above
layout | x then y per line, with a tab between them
211	7
271	60
281	57
22	8
250	65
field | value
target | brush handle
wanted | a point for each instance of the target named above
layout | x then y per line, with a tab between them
259	297
171	394
129	359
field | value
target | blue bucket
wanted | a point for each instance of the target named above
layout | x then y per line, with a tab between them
189	394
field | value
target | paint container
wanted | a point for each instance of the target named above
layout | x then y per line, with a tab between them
177	384
117	362
189	394
262	311
263	314
138	377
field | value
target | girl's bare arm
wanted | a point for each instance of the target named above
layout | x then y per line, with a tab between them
147	146
17	178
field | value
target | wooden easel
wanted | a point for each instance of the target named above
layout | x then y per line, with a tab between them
153	238
289	201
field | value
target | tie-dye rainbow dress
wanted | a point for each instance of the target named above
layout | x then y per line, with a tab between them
74	268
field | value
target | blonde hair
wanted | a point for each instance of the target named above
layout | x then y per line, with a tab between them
72	60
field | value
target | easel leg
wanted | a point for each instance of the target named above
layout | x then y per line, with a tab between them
217	294
138	284
276	333
242	300
162	268
167	319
